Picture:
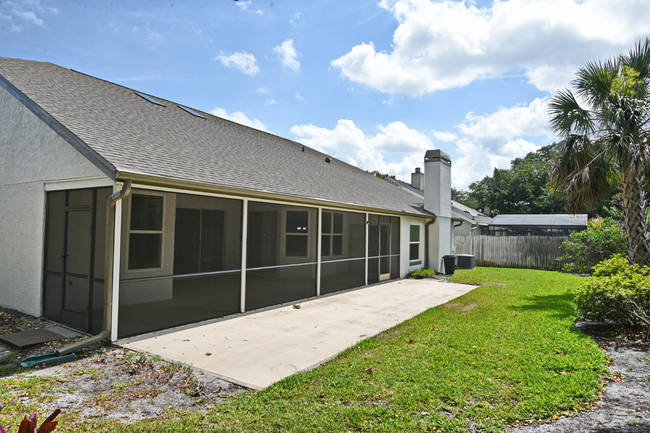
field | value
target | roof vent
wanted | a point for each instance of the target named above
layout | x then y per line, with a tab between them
327	160
192	112
150	99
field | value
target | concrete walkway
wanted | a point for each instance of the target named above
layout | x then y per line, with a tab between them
256	350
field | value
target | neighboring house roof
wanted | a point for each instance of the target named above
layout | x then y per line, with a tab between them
458	210
128	134
557	220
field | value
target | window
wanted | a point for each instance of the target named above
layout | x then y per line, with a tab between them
150	99
192	112
332	234
145	231
414	245
297	233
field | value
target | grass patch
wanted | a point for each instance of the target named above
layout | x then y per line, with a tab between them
421	273
505	353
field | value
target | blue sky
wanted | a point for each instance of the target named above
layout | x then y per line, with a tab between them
373	83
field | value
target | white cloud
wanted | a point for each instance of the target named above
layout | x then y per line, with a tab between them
349	143
299	97
269	102
155	36
243	5
263	90
295	18
493	140
444	136
243	61
239	117
25	10
288	55
445	44
29	16
522	119
482	142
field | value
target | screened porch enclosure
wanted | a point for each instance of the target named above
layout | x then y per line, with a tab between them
181	256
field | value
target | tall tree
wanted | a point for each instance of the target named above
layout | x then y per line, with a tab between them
522	188
604	126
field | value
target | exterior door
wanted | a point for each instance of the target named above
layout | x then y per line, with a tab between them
384	251
76	259
73	280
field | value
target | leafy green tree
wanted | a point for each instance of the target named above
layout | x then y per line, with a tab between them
522	188
464	197
602	239
604	127
381	175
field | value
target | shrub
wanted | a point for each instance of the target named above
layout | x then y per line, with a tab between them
599	241
421	273
612	266
618	292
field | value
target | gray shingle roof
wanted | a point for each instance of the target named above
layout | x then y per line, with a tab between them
458	210
136	136
555	220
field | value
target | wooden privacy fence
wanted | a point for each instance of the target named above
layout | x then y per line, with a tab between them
533	252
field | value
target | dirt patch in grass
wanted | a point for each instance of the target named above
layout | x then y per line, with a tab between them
625	404
130	386
460	305
106	382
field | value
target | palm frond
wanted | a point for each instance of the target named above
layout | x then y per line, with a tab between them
638	58
594	81
567	116
585	173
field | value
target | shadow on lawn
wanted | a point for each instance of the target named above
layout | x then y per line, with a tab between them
557	306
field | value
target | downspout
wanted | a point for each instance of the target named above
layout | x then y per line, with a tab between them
108	273
426	240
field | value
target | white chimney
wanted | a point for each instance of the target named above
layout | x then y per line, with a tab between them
417	179
437	200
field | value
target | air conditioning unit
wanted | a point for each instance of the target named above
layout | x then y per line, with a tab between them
465	261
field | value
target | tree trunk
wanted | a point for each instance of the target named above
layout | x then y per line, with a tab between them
635	215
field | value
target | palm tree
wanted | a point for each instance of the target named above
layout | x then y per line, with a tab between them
604	131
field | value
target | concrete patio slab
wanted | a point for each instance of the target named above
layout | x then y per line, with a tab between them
257	350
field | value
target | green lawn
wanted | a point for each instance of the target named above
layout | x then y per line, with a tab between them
505	353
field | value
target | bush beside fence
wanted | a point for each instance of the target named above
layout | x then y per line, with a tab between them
531	252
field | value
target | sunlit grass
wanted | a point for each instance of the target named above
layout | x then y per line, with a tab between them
504	353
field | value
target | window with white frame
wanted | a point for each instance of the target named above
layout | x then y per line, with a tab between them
145	232
332	234
414	245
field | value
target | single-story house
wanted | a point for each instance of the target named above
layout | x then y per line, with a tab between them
537	225
155	214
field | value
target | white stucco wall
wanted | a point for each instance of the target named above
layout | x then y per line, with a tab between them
31	156
440	242
405	264
463	230
437	199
